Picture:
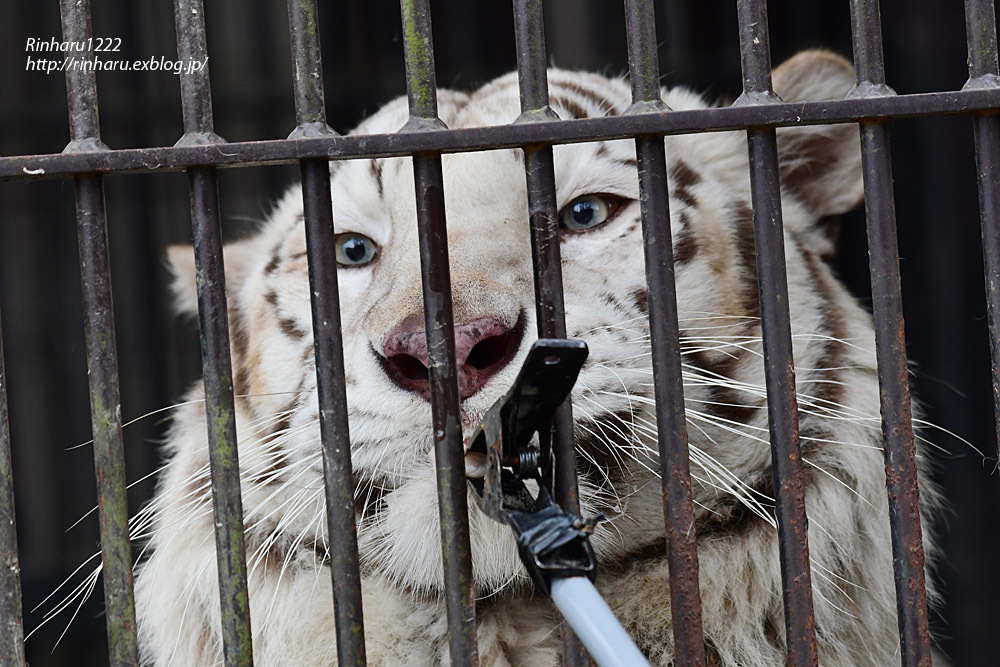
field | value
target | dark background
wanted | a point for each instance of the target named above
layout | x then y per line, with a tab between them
936	203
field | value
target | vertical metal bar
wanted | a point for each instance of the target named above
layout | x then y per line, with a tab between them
421	87
542	213
782	407
11	625
307	68
675	473
981	22
342	539
227	504
890	342
532	78
99	330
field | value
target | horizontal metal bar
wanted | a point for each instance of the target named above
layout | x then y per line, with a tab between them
11	624
285	151
668	385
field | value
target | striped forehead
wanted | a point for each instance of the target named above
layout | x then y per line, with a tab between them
572	95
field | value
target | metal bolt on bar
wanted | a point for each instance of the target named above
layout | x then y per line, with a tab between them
421	87
102	358
675	473
532	79
227	503
11	625
782	406
890	343
342	539
981	22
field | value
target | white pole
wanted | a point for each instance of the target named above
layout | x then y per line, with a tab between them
595	624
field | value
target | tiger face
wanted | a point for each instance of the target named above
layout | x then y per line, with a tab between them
615	425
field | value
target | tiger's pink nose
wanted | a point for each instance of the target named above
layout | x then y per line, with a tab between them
482	348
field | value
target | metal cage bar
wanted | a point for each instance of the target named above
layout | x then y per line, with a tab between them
220	409
11	624
342	539
661	299
200	151
439	321
779	368
102	356
542	217
550	315
890	343
438	140
981	29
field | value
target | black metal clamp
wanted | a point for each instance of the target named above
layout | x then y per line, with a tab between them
551	542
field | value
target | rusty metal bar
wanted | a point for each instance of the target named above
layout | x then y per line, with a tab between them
890	343
532	79
439	140
981	22
342	539
102	356
675	473
227	503
307	70
11	625
453	507
542	215
782	407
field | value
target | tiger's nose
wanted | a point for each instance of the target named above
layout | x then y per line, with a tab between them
482	348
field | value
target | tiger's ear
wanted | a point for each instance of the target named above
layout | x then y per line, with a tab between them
821	164
237	259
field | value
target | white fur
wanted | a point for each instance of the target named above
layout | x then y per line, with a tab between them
490	261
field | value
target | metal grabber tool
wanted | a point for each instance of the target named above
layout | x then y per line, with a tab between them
553	544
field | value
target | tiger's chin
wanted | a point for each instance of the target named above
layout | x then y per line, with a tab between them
401	542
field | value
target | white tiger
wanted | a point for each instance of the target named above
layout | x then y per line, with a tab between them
380	293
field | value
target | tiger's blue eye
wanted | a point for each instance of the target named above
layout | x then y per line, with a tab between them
587	212
355	249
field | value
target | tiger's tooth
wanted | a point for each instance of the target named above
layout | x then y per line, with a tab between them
475	464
